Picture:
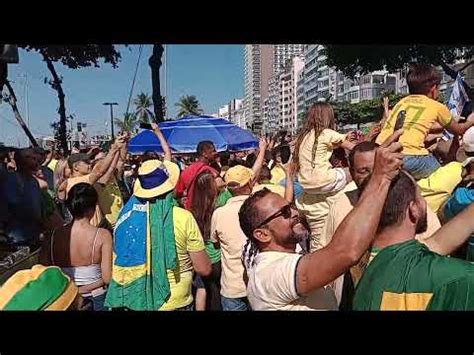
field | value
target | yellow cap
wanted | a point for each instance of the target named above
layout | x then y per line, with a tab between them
238	176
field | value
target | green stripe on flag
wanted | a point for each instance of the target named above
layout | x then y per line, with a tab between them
40	293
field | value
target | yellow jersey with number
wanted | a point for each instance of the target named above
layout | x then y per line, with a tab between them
421	113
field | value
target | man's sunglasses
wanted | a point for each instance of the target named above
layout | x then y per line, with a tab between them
285	211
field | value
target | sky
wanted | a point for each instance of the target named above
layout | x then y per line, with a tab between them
213	73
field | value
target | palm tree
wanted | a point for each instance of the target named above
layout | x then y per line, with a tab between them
128	123
188	105
155	64
143	104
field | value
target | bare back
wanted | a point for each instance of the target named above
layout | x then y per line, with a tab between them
77	245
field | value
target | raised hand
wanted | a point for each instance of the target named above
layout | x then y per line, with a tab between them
263	143
374	132
386	107
290	168
352	136
388	157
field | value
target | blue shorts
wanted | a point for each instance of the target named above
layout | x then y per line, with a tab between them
235	304
420	166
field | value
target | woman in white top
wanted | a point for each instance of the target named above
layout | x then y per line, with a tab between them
83	252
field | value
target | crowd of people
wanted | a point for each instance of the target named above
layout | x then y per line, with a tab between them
325	221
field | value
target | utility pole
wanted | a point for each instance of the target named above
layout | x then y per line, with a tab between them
111	104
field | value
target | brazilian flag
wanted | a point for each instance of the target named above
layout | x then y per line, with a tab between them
410	277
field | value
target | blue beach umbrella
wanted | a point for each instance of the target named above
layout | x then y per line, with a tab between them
183	136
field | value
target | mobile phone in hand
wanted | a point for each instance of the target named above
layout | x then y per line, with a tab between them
400	120
145	125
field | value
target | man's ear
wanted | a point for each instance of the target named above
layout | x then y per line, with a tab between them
262	235
414	212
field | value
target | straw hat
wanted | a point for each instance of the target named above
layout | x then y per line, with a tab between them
155	178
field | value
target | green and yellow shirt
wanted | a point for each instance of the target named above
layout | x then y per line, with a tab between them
408	276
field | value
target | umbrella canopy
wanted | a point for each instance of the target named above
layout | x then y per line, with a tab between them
183	136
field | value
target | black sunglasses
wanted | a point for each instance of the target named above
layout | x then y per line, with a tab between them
285	211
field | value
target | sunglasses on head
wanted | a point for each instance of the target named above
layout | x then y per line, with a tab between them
285	212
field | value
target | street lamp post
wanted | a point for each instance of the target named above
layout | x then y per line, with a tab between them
111	104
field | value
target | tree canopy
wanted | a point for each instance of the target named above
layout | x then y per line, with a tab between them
363	112
73	57
78	56
188	105
362	59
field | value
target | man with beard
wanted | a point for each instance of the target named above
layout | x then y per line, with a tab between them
281	279
405	274
361	165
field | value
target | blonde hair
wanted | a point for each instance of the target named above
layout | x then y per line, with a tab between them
319	117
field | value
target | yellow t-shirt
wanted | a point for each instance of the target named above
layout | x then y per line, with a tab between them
438	187
318	173
421	113
188	238
52	164
110	201
278	174
98	215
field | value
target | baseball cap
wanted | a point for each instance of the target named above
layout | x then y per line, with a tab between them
77	157
238	176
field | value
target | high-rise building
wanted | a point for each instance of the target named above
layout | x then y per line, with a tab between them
233	111
272	105
261	64
311	64
322	82
300	99
282	112
236	112
297	67
282	53
369	86
267	125
258	66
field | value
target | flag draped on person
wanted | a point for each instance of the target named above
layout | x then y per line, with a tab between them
456	102
144	250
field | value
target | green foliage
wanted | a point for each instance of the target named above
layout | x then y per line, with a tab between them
363	112
362	59
128	123
143	104
78	56
188	105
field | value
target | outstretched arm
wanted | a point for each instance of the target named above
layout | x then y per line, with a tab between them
101	168
453	234
257	166
163	142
